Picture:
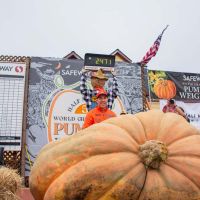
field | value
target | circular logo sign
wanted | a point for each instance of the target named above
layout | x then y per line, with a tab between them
19	69
67	113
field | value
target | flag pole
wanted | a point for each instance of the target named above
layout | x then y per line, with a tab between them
153	50
151	53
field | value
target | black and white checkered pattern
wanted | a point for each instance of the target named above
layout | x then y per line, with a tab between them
88	93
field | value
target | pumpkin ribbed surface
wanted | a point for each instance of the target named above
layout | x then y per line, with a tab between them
147	156
165	89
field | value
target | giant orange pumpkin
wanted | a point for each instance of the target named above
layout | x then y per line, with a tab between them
147	156
165	89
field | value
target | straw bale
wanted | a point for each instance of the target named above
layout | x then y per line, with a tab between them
10	182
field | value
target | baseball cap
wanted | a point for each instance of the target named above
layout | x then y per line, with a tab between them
101	92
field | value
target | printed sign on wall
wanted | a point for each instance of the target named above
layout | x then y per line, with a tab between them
56	107
12	81
66	120
178	85
192	111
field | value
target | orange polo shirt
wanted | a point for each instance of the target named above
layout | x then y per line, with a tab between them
96	115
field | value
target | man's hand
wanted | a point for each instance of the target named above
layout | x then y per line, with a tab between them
113	73
84	70
93	73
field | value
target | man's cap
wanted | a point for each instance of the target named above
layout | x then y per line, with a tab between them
99	74
101	92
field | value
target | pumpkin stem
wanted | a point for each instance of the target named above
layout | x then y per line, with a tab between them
152	153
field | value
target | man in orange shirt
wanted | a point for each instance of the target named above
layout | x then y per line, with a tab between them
100	112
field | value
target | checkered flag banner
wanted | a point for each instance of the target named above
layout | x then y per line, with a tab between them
153	50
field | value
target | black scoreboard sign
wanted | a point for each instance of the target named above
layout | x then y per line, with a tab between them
96	61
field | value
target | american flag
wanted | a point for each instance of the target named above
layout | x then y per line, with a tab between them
153	50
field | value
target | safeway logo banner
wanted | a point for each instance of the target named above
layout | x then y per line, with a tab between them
178	85
12	69
19	69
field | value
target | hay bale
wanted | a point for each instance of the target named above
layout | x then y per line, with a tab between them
10	182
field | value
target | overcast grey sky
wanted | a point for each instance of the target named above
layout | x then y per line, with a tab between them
53	28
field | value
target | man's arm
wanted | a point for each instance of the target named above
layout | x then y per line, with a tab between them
83	87
114	114
164	109
113	93
86	93
89	120
114	86
180	112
